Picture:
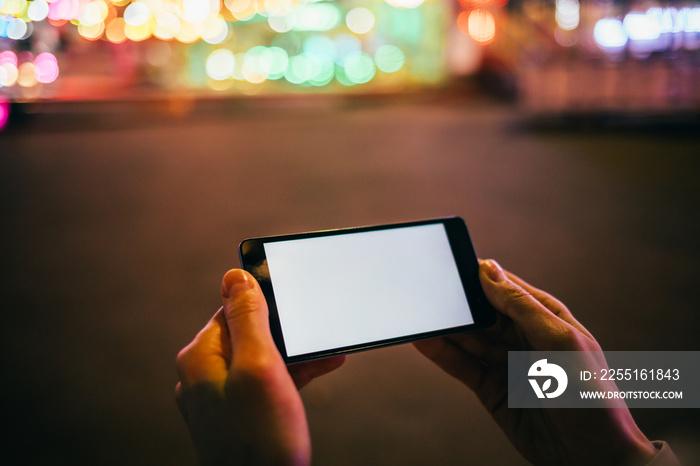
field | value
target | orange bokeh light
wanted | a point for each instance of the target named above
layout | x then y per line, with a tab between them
478	24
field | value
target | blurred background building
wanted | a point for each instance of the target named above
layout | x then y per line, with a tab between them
562	55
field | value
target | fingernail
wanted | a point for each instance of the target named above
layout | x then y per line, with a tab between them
493	271
236	281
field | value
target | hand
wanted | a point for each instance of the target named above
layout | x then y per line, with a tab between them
239	400
531	319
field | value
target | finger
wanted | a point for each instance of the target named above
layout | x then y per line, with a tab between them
550	302
304	372
246	315
482	346
540	325
206	358
460	364
547	300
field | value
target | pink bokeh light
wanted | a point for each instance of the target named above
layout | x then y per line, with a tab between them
4	112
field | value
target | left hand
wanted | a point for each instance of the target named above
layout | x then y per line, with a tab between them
240	401
531	319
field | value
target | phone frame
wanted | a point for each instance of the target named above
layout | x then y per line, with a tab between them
252	255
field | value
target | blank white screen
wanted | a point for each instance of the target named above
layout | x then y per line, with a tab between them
349	289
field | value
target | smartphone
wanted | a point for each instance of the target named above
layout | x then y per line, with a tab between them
340	291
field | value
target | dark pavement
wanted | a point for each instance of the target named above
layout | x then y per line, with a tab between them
118	225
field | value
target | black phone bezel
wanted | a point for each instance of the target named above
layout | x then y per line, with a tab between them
252	255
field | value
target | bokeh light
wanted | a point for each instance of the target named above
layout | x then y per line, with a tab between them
8	57
8	68
197	11
92	31
640	26
257	64
346	45
610	34
27	74
115	31
214	44
359	67
281	24
360	20
16	29
94	13
300	69
167	26
566	37
8	75
481	26
136	14
389	58
46	68
38	10
220	64
567	14
405	3
215	30
242	10
325	72
64	9
4	111
317	17
13	7
141	32
320	46
279	61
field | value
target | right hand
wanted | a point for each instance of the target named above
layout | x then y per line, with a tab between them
531	319
239	400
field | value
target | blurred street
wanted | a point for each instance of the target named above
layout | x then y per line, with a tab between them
118	223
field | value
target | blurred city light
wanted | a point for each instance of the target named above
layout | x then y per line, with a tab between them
567	14
212	45
4	110
221	64
641	26
654	30
389	58
610	34
360	20
481	26
108	49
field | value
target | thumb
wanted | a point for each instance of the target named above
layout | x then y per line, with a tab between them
542	328
246	315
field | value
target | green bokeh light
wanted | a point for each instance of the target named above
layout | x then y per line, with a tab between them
341	77
359	67
346	45
257	60
320	45
325	72
389	58
279	61
317	17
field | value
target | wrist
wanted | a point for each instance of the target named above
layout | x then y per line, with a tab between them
641	451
